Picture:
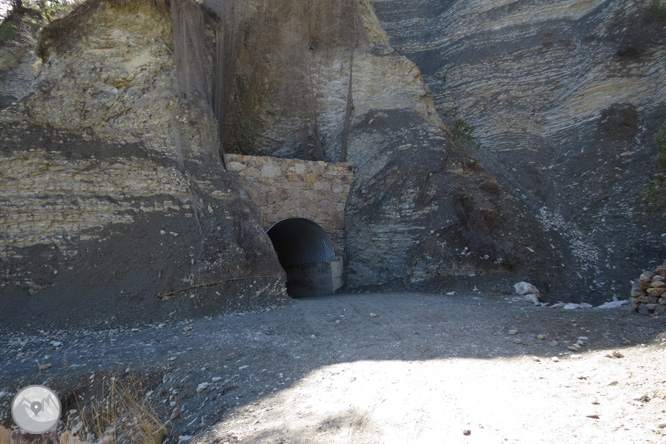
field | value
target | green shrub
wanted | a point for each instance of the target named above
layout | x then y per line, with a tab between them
655	193
658	10
462	130
660	138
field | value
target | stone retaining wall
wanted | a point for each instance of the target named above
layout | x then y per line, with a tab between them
285	188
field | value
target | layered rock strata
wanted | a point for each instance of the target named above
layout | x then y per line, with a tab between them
114	199
566	97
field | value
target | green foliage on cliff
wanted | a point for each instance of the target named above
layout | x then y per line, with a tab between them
657	10
660	138
23	19
655	193
462	130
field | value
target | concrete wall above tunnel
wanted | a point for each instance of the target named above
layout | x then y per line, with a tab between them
286	188
303	207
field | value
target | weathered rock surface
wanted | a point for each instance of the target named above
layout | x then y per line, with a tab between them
115	183
114	198
419	210
566	97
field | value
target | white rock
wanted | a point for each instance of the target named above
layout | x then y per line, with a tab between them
523	288
373	315
585	305
533	298
203	386
513	332
216	379
613	304
571	306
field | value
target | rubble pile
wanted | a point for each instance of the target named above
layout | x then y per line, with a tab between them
648	293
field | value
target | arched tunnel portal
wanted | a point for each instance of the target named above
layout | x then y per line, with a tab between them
307	254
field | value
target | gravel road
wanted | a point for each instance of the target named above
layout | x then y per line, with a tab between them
370	368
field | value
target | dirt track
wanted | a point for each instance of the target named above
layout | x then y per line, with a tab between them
377	368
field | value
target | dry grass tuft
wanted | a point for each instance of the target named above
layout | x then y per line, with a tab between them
4	435
121	414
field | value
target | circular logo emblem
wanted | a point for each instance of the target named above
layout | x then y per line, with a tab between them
36	409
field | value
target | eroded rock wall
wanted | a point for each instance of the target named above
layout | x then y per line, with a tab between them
114	197
566	97
415	213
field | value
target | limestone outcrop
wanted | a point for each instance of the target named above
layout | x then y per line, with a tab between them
114	201
116	182
566	97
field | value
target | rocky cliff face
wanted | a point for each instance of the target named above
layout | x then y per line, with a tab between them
416	213
113	190
113	168
566	97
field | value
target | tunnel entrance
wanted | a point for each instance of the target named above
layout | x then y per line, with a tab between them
308	257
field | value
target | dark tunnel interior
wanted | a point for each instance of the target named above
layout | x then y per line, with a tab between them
305	252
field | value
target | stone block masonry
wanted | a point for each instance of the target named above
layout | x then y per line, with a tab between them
284	188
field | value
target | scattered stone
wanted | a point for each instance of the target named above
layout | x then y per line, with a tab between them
374	315
615	354
555	359
571	306
44	366
593	416
662	425
188	328
216	379
533	298
518	341
203	386
541	337
513	332
523	288
528	292
467	432
613	304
